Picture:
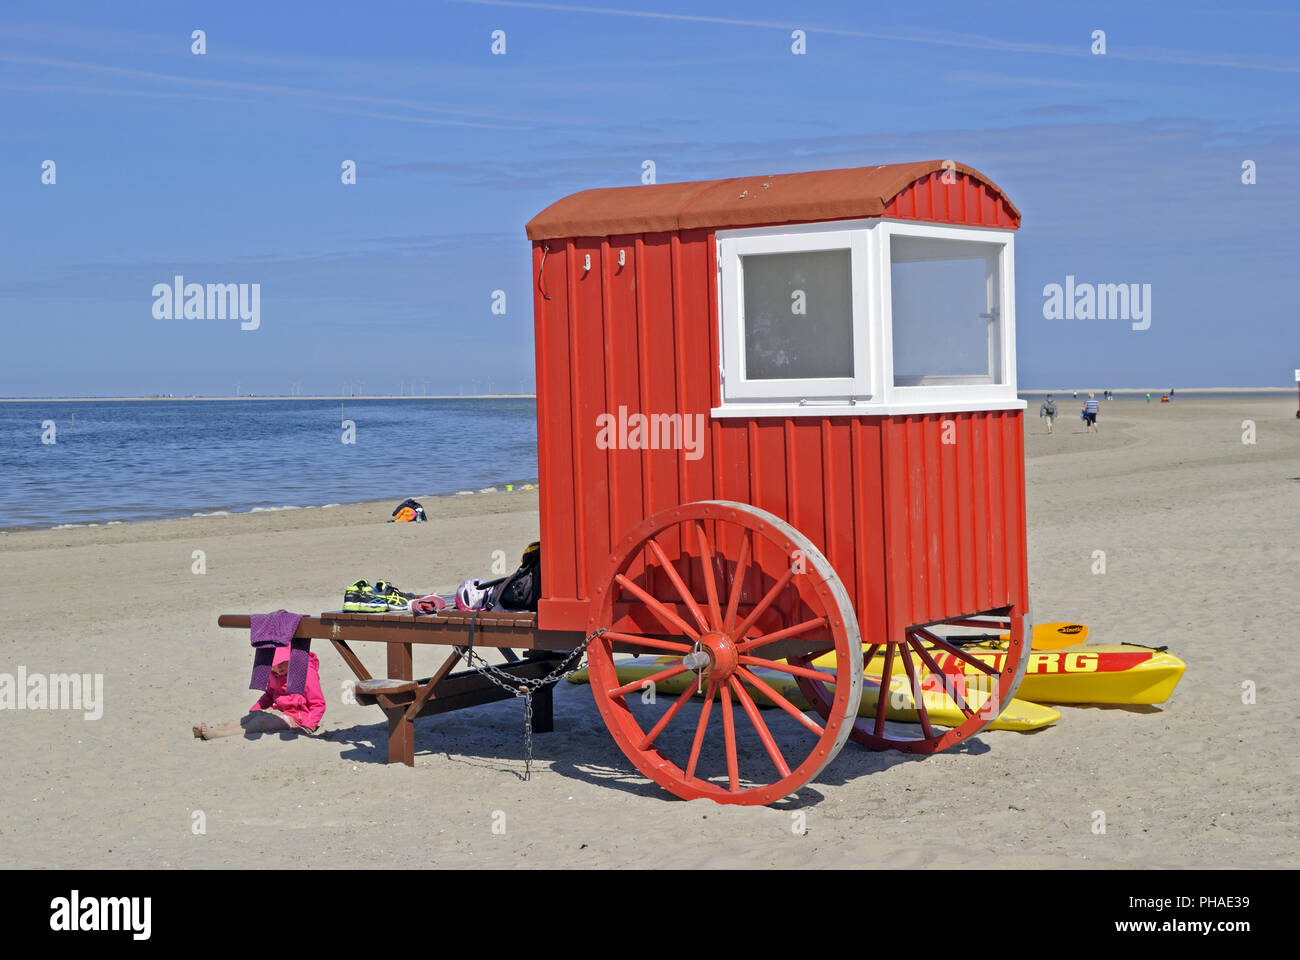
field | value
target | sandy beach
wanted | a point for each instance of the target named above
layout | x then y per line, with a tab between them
1199	531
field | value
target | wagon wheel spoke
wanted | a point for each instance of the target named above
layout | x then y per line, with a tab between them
669	618
675	578
710	581
729	739
737	583
757	683
868	657
763	604
956	651
760	727
792	669
720	577
881	701
636	685
667	718
950	683
799	628
653	642
918	694
700	727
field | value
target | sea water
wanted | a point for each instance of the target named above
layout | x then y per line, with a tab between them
89	461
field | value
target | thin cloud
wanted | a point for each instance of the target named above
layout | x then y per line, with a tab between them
340	103
1061	110
981	78
108	91
969	41
499	75
263	88
991	43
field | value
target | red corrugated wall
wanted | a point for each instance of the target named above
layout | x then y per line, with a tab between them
917	528
954	495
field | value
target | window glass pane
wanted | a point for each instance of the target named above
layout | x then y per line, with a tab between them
798	315
946	316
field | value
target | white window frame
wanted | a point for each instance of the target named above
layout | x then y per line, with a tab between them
871	391
805	390
970	396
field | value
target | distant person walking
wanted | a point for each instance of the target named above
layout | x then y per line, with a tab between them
1048	411
1090	414
1148	398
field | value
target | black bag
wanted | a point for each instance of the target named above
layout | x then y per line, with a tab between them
523	588
416	513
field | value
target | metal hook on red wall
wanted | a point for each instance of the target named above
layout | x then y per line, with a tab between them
541	273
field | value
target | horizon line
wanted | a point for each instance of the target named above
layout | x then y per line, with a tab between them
533	396
368	396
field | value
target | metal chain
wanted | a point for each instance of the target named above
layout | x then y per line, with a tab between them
525	687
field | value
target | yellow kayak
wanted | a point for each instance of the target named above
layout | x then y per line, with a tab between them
1091	673
900	704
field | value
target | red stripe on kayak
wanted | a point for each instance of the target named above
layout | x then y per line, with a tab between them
1062	662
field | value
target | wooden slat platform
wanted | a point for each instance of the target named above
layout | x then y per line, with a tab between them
494	628
401	696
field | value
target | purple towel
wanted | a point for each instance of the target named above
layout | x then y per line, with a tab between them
271	630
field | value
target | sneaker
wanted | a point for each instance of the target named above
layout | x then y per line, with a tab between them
359	597
426	606
396	600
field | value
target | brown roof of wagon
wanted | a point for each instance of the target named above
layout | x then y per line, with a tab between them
852	193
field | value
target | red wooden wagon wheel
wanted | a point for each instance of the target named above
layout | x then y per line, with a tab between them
979	702
723	588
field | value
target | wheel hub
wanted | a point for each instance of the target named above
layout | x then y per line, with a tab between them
715	656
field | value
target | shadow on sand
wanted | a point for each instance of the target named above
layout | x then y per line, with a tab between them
580	748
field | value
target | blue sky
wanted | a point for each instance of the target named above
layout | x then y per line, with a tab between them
225	167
